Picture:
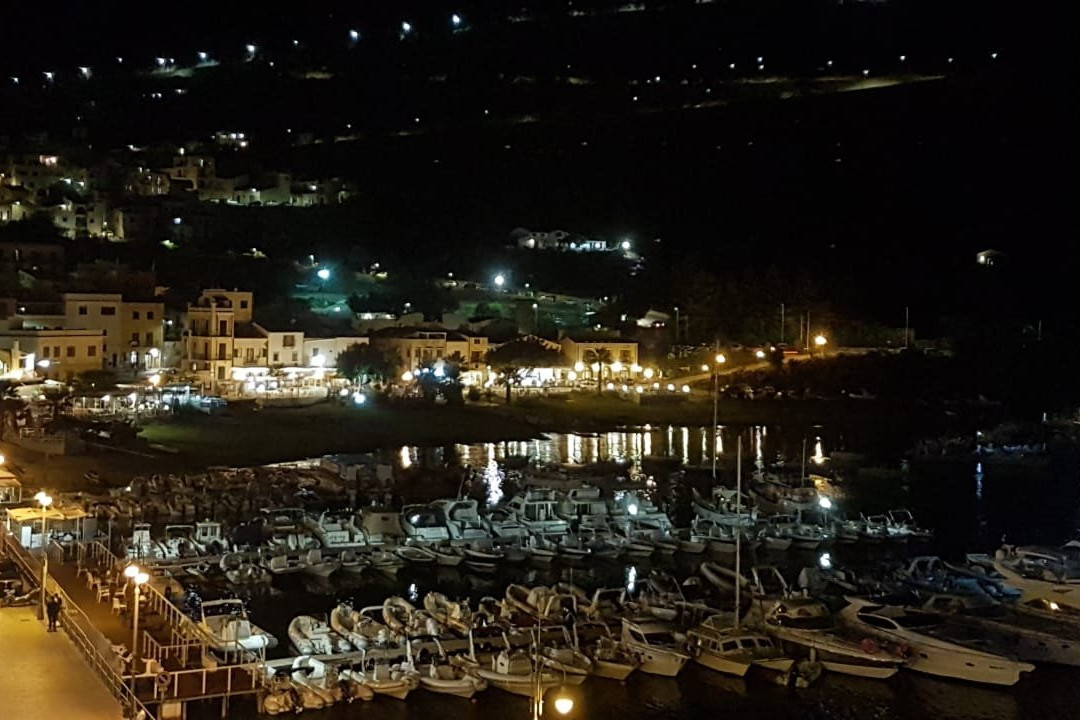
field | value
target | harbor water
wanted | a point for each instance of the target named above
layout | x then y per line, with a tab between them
972	507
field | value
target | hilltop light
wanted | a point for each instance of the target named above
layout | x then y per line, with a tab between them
323	273
354	35
406	27
455	20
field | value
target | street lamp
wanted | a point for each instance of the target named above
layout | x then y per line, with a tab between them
720	360
140	578
45	500
820	342
500	280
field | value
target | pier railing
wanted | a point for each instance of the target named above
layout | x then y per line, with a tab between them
91	643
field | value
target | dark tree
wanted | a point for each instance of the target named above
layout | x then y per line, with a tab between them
512	359
365	363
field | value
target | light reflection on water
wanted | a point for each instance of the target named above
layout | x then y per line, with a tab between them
690	444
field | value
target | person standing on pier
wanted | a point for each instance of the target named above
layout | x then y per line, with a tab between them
52	609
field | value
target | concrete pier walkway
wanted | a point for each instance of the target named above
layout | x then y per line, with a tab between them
44	674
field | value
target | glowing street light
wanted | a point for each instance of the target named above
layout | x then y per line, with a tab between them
616	366
455	20
824	503
500	280
820	341
407	376
760	354
406	27
648	373
323	273
354	35
720	359
579	367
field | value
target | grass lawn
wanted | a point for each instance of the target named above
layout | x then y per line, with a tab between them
248	437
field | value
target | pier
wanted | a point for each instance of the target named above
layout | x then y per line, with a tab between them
174	663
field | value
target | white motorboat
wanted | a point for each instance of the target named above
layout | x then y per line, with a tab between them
1043	638
353	683
314	563
732	650
362	628
424	523
656	646
311	636
503	524
774	495
1041	573
336	531
932	651
639	509
447	679
513	672
227	624
484	554
463	521
806	624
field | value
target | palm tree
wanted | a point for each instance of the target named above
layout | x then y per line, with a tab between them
599	357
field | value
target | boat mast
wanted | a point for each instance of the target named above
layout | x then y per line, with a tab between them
738	527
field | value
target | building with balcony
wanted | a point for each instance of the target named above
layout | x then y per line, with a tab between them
133	329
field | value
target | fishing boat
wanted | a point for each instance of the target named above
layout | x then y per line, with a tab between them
932	651
446	555
904	519
803	536
573	664
241	571
807	625
226	622
582	507
311	636
610	658
655	645
733	650
310	679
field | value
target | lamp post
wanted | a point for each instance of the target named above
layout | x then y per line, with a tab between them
137	576
45	500
720	360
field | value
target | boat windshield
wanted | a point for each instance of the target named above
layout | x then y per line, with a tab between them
661	638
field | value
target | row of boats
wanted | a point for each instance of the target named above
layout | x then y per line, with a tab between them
963	621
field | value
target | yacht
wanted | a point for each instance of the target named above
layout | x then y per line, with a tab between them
806	624
1041	573
655	645
932	650
1032	637
732	650
536	509
336	531
424	524
463	521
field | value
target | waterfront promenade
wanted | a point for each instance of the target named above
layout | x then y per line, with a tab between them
44	674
